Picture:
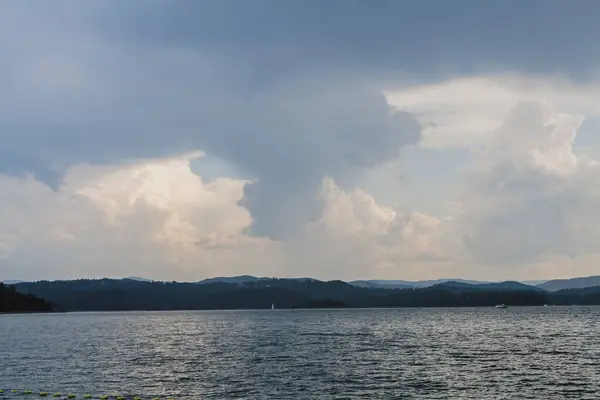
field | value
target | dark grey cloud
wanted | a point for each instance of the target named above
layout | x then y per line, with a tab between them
309	129
386	35
286	90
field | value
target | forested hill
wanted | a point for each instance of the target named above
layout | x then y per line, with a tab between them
125	294
13	301
128	294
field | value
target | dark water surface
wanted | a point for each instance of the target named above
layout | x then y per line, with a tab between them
485	353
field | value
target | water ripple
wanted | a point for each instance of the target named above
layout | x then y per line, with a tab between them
525	353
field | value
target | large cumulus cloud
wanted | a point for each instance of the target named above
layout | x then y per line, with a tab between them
290	92
528	195
147	217
96	98
527	209
527	201
157	218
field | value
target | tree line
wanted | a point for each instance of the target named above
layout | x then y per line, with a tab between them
13	301
124	294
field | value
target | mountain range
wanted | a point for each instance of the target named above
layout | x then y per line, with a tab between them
573	283
401	284
13	282
246	278
550	285
262	293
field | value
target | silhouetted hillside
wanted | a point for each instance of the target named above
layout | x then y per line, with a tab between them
246	279
125	294
232	279
138	278
13	301
583	296
508	285
110	294
574	283
444	295
400	284
12	282
382	284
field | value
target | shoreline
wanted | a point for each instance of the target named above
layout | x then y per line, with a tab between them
304	309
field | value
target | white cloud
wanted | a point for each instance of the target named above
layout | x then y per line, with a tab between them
79	86
194	209
157	218
358	238
153	216
528	208
528	200
528	196
465	111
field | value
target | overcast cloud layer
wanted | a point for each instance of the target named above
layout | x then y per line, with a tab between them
109	109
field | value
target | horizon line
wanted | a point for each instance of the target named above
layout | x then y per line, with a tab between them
300	277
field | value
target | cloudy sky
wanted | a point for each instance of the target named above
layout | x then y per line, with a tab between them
335	139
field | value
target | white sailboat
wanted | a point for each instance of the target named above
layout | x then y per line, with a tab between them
272	305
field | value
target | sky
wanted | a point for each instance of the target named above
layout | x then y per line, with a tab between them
346	139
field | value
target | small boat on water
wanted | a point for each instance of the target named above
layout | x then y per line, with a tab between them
501	306
272	305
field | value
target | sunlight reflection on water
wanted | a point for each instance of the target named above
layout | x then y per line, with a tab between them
485	353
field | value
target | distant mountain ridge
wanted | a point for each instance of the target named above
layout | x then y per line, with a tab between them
549	285
462	286
128	294
12	282
402	284
247	278
573	283
137	278
232	279
373	284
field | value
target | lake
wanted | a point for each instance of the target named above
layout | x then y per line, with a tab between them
479	353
